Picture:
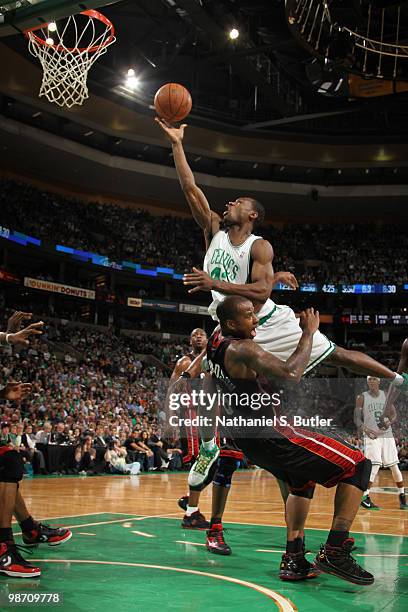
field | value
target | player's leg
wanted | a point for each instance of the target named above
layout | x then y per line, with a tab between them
294	565
367	502
35	533
359	363
399	482
334	556
193	519
209	451
373	452
226	466
284	491
11	562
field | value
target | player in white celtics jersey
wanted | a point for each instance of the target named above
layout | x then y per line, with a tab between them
238	262
379	442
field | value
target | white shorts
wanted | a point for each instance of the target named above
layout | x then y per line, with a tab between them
381	451
279	333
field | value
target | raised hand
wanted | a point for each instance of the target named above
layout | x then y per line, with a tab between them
22	337
174	134
309	320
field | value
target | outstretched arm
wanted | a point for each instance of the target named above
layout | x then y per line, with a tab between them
207	219
258	290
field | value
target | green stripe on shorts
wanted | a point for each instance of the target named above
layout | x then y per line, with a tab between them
323	356
264	319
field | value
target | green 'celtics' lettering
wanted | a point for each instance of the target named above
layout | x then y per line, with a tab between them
230	267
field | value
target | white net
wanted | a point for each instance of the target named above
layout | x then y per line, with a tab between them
67	53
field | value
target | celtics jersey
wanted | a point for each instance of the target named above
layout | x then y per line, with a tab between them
232	264
373	408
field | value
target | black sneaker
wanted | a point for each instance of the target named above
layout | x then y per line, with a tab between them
294	566
44	534
368	504
216	543
339	562
183	503
403	501
195	521
12	563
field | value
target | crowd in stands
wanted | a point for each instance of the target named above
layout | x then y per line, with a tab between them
316	253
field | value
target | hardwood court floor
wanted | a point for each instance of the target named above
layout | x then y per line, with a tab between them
128	550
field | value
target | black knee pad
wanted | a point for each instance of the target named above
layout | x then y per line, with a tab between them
307	492
361	476
226	467
11	467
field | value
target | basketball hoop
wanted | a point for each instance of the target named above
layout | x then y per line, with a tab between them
66	54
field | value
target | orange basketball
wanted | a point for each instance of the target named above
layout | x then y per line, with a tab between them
172	102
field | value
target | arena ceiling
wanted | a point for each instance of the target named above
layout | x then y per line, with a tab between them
262	86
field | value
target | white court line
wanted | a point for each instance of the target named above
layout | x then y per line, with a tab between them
187	542
145	535
48	518
172	515
269	551
86	533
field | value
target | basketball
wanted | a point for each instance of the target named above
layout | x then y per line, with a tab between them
172	102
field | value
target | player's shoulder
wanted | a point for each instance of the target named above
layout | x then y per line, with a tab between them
241	348
262	248
182	363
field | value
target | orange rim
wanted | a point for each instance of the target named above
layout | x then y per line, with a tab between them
92	15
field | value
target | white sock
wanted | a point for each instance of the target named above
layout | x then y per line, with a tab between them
401	490
366	493
191	509
209	445
398	380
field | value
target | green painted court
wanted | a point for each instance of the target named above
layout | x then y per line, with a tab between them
139	563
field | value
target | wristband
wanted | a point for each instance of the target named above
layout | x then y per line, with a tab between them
185	375
7	338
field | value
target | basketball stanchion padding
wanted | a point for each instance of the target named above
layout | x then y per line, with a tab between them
67	53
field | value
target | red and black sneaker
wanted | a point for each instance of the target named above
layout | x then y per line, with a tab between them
183	503
294	566
215	541
44	534
12	563
337	560
195	521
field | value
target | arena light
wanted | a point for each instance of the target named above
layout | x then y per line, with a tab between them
52	26
49	40
132	81
233	34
